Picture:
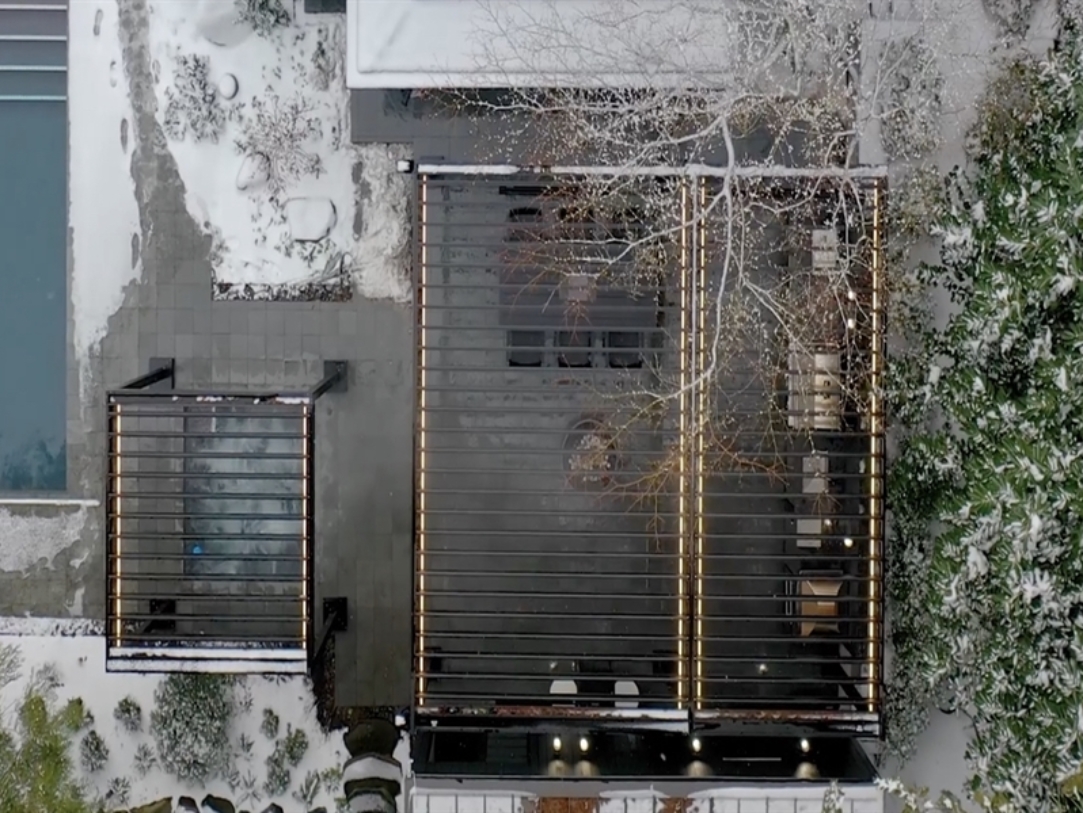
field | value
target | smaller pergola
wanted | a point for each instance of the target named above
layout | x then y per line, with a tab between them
210	525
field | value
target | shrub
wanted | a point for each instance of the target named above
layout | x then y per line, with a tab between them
249	789
93	752
264	16
331	777
986	561
37	769
190	725
192	106
129	714
310	787
11	661
294	745
144	759
282	132
120	790
269	726
245	747
278	773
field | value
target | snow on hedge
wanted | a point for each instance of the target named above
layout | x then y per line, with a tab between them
986	568
255	111
150	736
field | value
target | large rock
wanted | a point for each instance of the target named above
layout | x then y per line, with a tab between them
310	219
186	804
254	171
228	86
272	808
219	25
216	804
371	737
161	806
372	766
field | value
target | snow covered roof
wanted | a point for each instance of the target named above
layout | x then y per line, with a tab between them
417	44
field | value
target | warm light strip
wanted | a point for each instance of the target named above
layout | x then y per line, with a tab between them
701	366
423	364
875	433
682	451
116	529
306	542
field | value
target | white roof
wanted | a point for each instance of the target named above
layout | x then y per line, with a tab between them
535	43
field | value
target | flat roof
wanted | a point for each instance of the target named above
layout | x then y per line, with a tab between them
428	44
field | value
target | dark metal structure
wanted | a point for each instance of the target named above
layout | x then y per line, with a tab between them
613	521
631	754
210	526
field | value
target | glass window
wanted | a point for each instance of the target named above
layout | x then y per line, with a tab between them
33	293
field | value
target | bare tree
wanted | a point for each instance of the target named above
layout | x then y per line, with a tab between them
754	109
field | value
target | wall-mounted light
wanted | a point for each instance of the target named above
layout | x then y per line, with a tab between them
584	744
763	668
557	744
696	745
848	542
805	745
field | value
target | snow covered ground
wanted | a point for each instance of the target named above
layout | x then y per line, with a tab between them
79	660
103	213
258	122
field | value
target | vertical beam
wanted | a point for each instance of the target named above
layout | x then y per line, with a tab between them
308	528
701	406
422	439
686	667
876	450
114	522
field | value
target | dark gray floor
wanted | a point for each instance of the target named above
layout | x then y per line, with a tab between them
363	448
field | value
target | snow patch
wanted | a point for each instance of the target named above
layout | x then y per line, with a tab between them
29	539
380	272
80	662
12	625
103	212
75	606
365	767
282	106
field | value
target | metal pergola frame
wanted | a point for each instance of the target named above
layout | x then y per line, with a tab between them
689	712
245	626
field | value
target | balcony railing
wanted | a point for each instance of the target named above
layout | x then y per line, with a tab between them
210	526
